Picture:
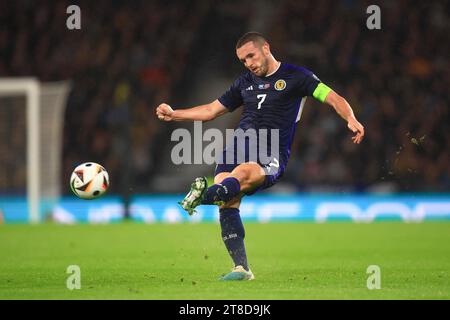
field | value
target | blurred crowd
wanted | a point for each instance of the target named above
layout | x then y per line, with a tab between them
397	81
127	56
131	55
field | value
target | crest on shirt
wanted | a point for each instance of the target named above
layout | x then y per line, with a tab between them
280	85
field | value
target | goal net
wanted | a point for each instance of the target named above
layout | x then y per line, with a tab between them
31	137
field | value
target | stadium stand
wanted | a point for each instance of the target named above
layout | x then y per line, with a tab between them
130	56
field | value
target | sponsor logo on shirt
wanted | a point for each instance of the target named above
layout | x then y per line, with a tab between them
264	86
249	88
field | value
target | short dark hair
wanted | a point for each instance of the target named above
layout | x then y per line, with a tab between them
250	36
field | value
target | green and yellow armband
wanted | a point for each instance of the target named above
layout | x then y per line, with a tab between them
321	92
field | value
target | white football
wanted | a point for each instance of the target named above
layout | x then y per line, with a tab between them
89	180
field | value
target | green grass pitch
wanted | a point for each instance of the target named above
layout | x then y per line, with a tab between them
184	261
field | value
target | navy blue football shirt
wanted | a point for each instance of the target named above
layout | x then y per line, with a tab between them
273	102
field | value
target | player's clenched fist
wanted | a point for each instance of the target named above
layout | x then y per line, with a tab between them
164	112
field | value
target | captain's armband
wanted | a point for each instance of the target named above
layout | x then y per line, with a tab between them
321	92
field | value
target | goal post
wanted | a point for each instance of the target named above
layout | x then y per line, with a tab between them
44	118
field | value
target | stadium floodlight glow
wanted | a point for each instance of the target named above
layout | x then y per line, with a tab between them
44	108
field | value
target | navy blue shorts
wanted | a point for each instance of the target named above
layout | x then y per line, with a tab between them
269	181
273	166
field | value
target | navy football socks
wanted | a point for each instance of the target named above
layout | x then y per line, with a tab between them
224	191
233	234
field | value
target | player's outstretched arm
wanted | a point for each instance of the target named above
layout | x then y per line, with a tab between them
346	112
204	112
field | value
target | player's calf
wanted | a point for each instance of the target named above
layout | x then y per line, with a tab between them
243	178
250	175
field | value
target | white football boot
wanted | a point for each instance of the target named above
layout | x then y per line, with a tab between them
195	195
238	273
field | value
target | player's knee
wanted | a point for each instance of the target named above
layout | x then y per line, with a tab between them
221	176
